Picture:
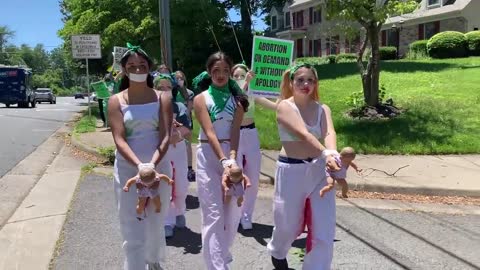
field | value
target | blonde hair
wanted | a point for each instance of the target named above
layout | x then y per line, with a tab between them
286	86
348	152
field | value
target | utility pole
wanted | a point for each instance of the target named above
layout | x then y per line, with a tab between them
165	36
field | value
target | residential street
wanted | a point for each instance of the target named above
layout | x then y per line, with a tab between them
367	238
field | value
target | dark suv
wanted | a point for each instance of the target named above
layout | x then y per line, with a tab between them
45	95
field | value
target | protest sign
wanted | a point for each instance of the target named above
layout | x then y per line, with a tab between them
117	55
270	58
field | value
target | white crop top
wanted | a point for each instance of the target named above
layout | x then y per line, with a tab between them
223	120
315	130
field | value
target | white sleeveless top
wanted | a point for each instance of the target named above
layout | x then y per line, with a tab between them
223	120
315	130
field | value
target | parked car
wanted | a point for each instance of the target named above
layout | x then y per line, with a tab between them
79	95
45	95
93	97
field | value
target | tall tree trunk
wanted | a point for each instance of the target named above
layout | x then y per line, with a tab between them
247	33
371	76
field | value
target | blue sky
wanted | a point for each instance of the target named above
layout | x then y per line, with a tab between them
37	21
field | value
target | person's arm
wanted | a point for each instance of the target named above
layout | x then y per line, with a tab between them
115	120
203	118
165	119
328	130
266	103
235	131
291	120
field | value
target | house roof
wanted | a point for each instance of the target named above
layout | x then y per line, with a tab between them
297	3
424	14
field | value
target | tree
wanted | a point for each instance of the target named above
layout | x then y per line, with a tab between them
371	15
5	35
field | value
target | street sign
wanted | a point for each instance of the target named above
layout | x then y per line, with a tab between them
86	47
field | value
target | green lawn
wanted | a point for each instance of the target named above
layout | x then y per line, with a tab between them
441	98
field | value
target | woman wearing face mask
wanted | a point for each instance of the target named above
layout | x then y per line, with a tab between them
141	119
177	154
219	110
302	122
249	155
185	96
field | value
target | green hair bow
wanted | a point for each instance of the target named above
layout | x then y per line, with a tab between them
160	77
132	48
197	80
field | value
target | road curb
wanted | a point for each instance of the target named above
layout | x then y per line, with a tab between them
84	147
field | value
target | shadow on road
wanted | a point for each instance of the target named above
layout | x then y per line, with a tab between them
186	238
260	232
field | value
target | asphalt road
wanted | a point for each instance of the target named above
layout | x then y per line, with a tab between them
365	238
23	130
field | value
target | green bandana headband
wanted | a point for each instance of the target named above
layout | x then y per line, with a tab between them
196	81
297	67
132	48
160	77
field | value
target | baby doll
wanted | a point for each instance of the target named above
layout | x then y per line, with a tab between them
233	184
347	155
147	182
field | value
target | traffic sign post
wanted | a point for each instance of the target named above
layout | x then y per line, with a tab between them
86	47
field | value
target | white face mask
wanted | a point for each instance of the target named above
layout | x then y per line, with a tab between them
180	83
241	83
137	77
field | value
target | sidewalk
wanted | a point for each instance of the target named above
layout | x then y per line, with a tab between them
448	175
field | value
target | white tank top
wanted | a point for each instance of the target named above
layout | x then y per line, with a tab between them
223	120
315	130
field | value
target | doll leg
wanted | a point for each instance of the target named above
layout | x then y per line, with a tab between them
157	203
239	201
328	187
141	205
344	185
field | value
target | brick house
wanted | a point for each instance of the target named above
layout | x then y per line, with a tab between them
305	22
432	16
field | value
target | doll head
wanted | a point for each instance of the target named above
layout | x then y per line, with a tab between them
147	175
236	174
347	154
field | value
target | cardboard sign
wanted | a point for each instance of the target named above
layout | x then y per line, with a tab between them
270	58
117	56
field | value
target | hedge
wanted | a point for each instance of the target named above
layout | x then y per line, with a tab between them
473	42
448	44
388	53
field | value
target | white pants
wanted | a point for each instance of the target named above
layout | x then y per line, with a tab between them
178	155
219	221
294	184
143	240
249	151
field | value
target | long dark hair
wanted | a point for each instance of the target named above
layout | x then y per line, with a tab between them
232	85
125	82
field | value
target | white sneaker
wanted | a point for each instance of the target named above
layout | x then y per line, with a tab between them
246	224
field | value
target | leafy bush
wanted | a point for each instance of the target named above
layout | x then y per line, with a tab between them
448	44
473	42
418	49
332	59
346	58
312	60
108	153
388	53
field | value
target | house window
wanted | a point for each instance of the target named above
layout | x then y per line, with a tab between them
317	15
298	19
287	19
274	22
310	15
431	29
351	46
317	47
333	46
434	3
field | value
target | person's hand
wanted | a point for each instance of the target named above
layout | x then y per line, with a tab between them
332	164
125	188
177	124
176	137
250	75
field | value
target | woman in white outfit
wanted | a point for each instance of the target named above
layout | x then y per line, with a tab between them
219	110
303	122
177	155
249	155
141	119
